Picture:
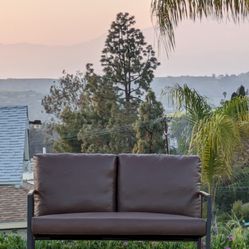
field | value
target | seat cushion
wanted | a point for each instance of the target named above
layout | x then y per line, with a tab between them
159	183
118	223
68	183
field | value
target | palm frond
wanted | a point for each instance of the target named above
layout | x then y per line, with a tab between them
169	13
217	134
236	108
215	140
190	101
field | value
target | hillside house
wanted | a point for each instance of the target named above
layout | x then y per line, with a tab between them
14	153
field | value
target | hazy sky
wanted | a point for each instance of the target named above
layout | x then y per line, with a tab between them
201	48
64	21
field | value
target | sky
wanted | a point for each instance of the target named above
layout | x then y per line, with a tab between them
40	38
64	22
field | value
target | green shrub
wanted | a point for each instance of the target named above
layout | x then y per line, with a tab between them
241	210
245	211
223	217
11	241
237	209
232	235
233	190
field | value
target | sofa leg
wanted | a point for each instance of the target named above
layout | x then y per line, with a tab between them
199	244
30	242
208	241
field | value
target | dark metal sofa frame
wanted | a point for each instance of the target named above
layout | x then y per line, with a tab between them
32	238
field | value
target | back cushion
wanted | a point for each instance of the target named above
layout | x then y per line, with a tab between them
159	183
68	183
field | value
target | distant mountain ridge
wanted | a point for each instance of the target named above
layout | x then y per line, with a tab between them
211	87
221	48
31	91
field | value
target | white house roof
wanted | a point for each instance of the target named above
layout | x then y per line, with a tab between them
13	128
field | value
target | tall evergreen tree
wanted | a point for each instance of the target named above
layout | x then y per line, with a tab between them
98	101
97	112
150	127
128	61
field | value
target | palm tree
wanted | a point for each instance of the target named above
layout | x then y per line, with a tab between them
216	133
169	13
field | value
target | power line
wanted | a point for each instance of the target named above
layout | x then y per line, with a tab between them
106	131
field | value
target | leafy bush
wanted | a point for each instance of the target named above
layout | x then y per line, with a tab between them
241	210
232	235
238	235
237	208
245	211
11	241
16	242
234	189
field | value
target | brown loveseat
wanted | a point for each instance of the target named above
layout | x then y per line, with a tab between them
126	196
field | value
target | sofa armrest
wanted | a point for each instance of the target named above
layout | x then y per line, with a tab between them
204	194
30	206
206	197
30	202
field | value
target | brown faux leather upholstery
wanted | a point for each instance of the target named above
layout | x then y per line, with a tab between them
118	223
69	183
159	184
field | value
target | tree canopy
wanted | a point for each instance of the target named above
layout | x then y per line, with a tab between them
149	126
97	112
128	61
215	133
